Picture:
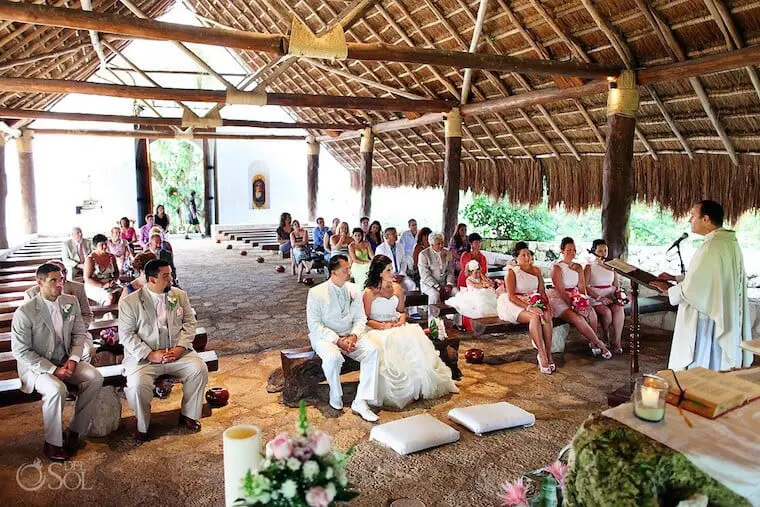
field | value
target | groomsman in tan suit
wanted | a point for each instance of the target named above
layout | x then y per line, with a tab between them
75	252
71	288
436	267
157	328
47	340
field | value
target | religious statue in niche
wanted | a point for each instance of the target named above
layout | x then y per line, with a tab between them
259	189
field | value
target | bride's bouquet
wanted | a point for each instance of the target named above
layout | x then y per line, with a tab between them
620	297
300	470
580	303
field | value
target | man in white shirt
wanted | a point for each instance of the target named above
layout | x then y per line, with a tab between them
436	271
713	310
409	238
75	252
402	264
337	327
47	340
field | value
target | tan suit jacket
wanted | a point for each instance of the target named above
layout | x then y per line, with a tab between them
33	337
138	328
432	274
73	289
70	253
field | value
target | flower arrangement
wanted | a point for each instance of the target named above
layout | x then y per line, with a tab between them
579	302
542	487
172	301
300	470
110	336
620	297
537	301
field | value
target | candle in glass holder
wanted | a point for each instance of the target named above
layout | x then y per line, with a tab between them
649	398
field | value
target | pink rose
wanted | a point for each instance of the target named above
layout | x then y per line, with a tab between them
281	447
320	442
302	452
317	497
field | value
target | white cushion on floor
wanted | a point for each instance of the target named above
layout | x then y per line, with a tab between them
413	434
491	417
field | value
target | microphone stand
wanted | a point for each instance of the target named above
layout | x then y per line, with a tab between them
680	258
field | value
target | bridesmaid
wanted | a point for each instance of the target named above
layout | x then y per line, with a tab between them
567	276
602	283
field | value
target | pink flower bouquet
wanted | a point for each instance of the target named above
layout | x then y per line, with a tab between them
537	301
299	470
579	302
109	336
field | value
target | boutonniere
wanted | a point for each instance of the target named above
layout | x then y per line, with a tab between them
66	310
172	301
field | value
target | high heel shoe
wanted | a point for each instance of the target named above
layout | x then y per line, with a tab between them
596	351
546	371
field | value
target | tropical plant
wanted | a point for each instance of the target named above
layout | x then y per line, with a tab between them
176	166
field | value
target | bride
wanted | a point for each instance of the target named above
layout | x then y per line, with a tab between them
410	367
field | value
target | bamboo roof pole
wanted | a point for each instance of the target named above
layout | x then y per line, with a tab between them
476	31
627	57
34	59
167	134
671	45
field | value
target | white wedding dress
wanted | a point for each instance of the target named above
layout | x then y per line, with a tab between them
410	367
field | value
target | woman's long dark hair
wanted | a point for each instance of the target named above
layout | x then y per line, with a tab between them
422	234
376	268
283	217
459	241
378	236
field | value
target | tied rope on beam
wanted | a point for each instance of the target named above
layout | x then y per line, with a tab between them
186	135
452	122
330	46
245	98
623	96
191	120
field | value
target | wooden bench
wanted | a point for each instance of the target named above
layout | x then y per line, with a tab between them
10	389
415	298
18	277
11	296
7	287
18	269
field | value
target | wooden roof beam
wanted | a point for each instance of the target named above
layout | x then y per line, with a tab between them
277	44
165	134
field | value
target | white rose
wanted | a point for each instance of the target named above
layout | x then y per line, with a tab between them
329	473
331	491
310	470
340	475
289	488
294	464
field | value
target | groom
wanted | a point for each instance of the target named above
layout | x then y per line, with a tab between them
337	323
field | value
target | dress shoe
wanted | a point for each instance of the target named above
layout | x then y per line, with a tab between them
55	453
361	408
336	403
71	442
141	437
188	423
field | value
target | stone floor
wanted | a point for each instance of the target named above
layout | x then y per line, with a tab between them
250	312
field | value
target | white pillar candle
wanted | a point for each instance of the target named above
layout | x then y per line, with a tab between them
650	397
242	451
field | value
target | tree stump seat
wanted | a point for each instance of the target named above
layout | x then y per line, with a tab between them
441	310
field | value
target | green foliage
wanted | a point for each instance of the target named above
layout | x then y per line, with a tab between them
502	219
177	167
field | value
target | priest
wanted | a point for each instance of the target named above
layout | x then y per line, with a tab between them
713	311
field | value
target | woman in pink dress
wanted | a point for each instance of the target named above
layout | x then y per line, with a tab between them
567	277
602	283
128	232
514	306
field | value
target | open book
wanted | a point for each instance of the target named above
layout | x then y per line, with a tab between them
709	393
751	345
632	272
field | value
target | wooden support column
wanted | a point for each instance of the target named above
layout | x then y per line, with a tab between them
617	182
3	194
312	175
365	172
452	174
26	177
144	180
209	184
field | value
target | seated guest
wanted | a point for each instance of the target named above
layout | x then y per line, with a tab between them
475	254
101	273
521	282
299	246
138	269
47	340
128	232
144	238
360	253
161	219
459	245
120	249
403	270
410	367
477	299
423	242
335	225
157	247
567	277
75	252
340	240
337	327
364	224
374	236
409	238
157	328
602	283
283	234
436	271
321	233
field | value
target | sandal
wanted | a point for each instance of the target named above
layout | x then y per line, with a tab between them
546	371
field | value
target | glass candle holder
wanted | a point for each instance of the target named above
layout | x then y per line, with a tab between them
649	397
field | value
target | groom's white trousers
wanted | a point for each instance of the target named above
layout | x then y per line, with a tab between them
368	355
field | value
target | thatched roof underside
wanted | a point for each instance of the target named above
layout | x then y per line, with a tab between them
541	141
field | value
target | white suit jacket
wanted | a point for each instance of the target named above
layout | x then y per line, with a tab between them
138	328
405	263
71	288
70	252
33	337
325	317
433	274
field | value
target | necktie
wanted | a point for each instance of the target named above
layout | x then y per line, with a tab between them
161	311
395	264
81	252
55	315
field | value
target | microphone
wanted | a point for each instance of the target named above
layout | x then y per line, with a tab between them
677	242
